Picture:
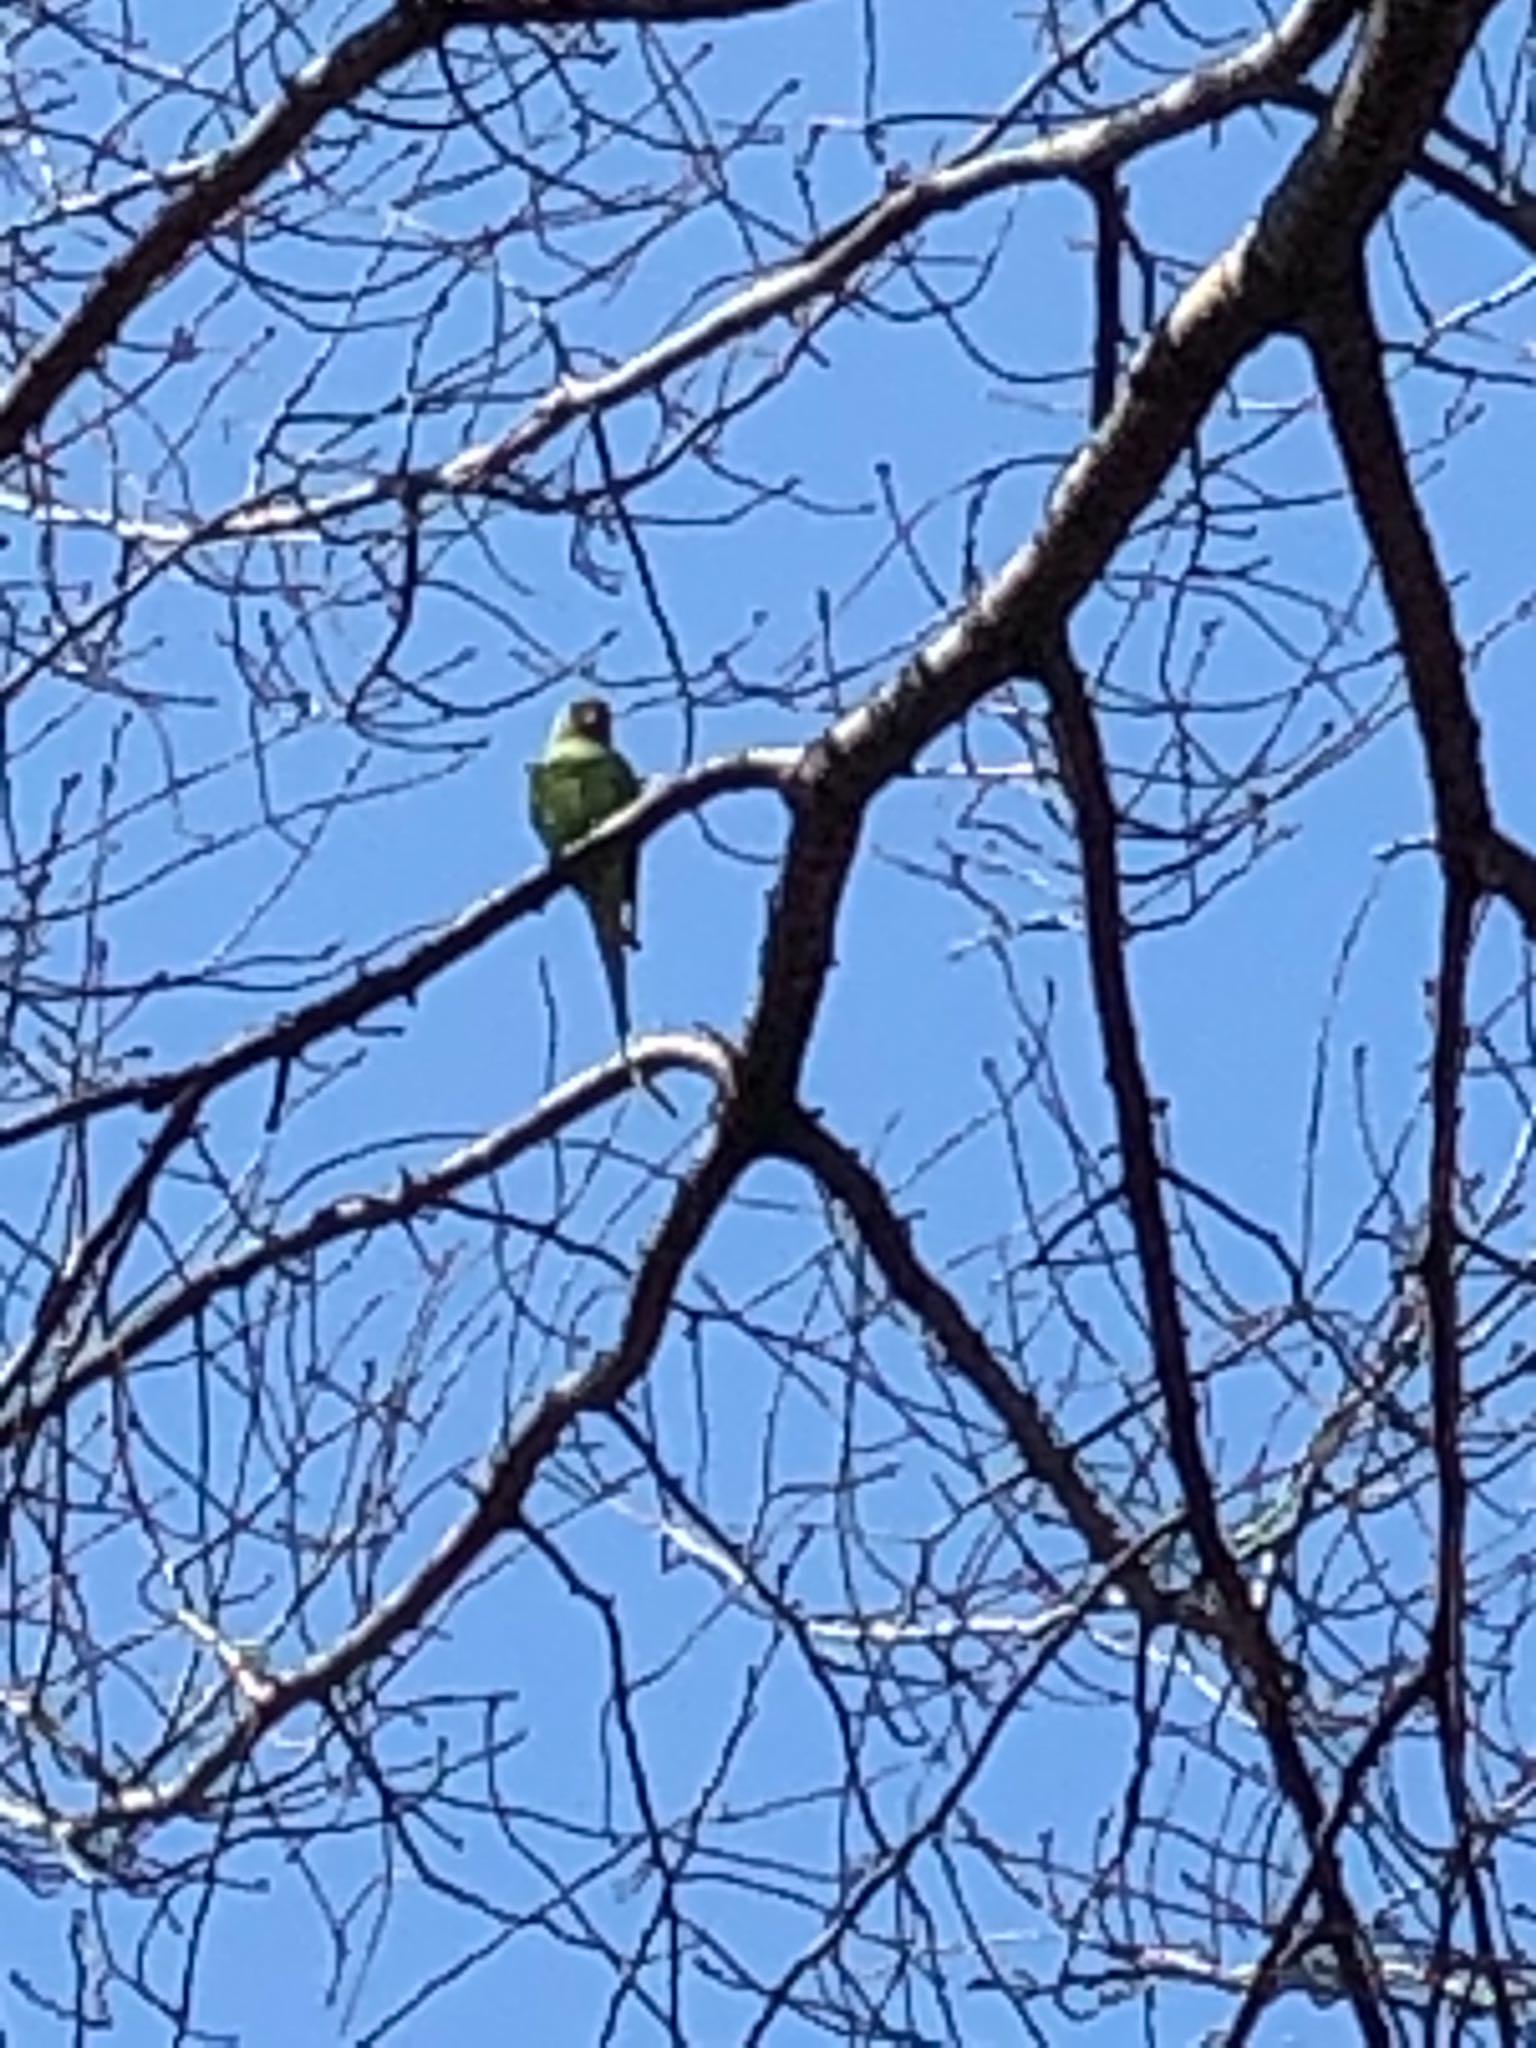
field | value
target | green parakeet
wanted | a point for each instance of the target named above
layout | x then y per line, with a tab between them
581	780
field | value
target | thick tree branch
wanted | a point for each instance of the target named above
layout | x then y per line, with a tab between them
1346	351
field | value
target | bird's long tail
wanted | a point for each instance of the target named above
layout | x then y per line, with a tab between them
610	946
614	938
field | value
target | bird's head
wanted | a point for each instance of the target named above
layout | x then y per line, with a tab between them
589	718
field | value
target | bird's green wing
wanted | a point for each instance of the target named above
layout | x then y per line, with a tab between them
574	787
624	787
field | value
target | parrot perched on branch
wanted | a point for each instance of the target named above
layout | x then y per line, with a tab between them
582	779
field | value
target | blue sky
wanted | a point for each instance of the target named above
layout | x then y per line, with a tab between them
919	1038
